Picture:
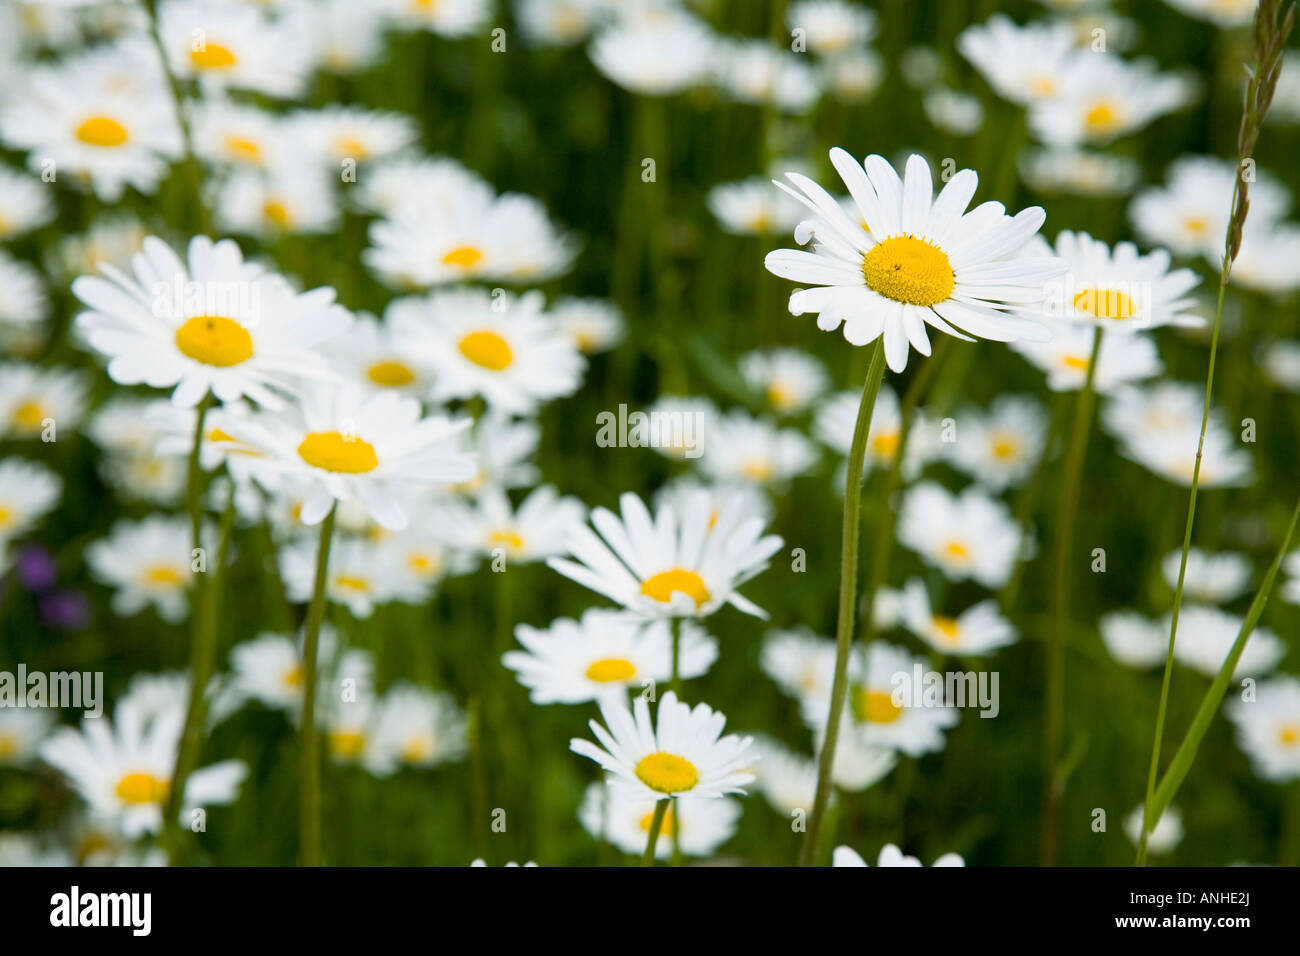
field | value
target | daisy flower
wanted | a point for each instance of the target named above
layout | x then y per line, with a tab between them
853	76
751	207
122	768
1206	635
112	239
837	415
504	448
741	447
1159	428
268	668
788	780
1224	14
346	37
666	566
146	562
535	530
233	134
1000	447
215	323
1023	64
21	732
1123	359
789	380
912	259
235	46
287	201
1280	361
953	111
1268	728
890	855
447	18
377	355
1133	640
655	52
347	444
1266	261
970	535
363	574
1079	172
338	133
28	492
500	347
977	631
860	761
1210	578
743	496
831	27
682	753
25	203
683	424
433	185
696	827
761	73
127	431
1108	98
34	398
595	325
1167	833
605	653
800	662
417	727
23	303
558	22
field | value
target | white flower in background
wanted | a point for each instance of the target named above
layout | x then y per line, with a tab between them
349	444
860	760
1133	640
346	37
447	18
743	496
494	528
1268	728
1206	635
147	562
422	186
685	425
21	732
853	76
1167	833
978	630
227	133
216	323
1190	213
23	303
1224	14
1079	172
122	768
751	207
1000	447
235	46
25	203
697	827
340	132
681	753
1291	567
498	346
34	399
377	355
27	850
504	447
268	668
363	574
836	418
605	653
558	22
127	431
1210	578
1120	289
417	727
831	27
953	111
1266	261
790	380
970	535
111	238
347	720
671	564
1108	98
289	201
890	855
1024	64
595	325
28	492
95	130
1123	359
913	259
1159	428
762	74
1280	361
800	662
788	780
656	51
741	447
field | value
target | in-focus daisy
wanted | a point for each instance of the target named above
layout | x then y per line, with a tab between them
34	399
670	566
1210	578
1000	447
788	379
913	259
1206	635
681	753
491	526
417	727
1109	98
1123	359
235	46
604	653
970	535
1268	728
1133	640
1023	64
696	827
213	323
147	562
595	325
741	447
28	492
976	631
890	855
1166	835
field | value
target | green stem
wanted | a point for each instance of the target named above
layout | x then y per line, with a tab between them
194	478
675	625
848	597
309	750
1054	703
656	824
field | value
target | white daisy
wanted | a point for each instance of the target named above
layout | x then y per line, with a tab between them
761	73
339	132
659	52
789	380
363	574
1000	447
21	732
1079	172
1110	97
289	201
1268	728
377	355
831	27
1266	261
346	36
23	303
1133	640
1024	64
414	726
977	631
1210	578
1167	833
890	855
226	133
696	827
504	448
970	535
1280	361
28	492
1206	635
25	203
491	526
558	22
147	562
1123	359
34	399
787	779
235	46
1224	14
595	325
448	18
751	207
742	448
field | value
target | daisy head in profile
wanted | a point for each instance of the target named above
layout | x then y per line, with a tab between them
211	323
912	259
681	753
670	566
347	444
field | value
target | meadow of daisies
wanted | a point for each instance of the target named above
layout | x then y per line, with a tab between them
661	432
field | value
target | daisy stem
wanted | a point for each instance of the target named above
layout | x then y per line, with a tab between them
309	751
1054	706
848	597
676	835
675	685
194	479
656	824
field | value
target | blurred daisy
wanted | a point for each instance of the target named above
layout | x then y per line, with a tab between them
23	303
28	492
491	525
504	447
1166	835
128	433
423	186
1210	578
21	732
25	203
836	417
1133	640
215	323
656	52
743	496
912	259
831	27
970	535
853	76
1110	97
605	653
340	132
788	780
1159	428
146	562
363	574
789	380
346	37
1268	728
1079	172
1206	635
1023	64
751	207
558	22
953	111
448	18
744	448
34	399
696	827
594	325
670	566
285	202
1224	14
111	239
890	855
1065	360
268	668
377	355
237	134
1280	361
800	662
684	425
977	631
860	760
1000	447
235	46
1266	261
417	727
762	74
681	753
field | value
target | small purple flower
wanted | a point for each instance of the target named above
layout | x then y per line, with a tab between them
65	610
36	568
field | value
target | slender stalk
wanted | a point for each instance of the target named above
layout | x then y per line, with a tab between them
309	749
656	824
848	597
1054	703
675	624
194	477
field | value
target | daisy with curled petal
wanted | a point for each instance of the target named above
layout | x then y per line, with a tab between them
1133	640
214	323
913	259
350	445
604	653
977	631
493	527
694	827
666	566
681	753
971	535
28	492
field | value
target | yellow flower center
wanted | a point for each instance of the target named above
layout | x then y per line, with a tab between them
351	582
417	749
102	131
213	56
1196	225
956	550
29	415
667	773
351	146
911	270
885	444
1102	117
1105	304
510	540
162	575
487	349
1005	447
666	827
1289	735
661	586
347	744
5	516
214	340
1043	85
334	451
757	470
422	564
241	147
139	787
390	373
782	398
1079	363
877	707
8	746
607	670
947	628
293	677
277	213
464	257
